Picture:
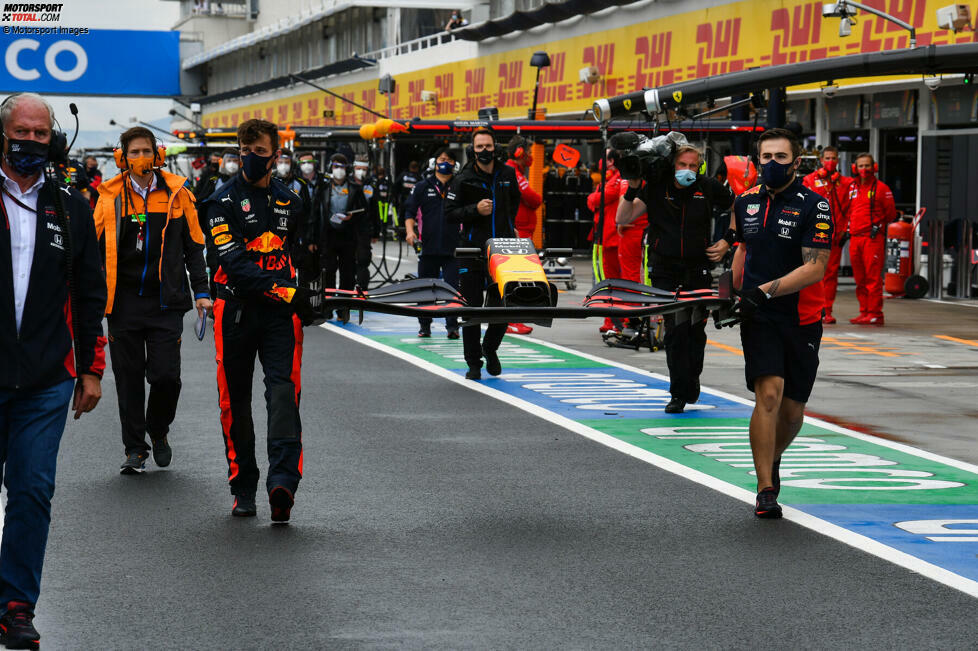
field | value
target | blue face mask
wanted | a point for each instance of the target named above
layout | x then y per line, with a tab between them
776	175
445	168
255	167
685	178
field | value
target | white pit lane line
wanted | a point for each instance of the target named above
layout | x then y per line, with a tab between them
823	527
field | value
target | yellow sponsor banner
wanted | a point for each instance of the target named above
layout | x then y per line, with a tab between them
712	41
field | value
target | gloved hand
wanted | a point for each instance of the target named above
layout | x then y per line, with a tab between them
304	310
749	303
843	239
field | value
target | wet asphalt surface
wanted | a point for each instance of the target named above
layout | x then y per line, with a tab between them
431	516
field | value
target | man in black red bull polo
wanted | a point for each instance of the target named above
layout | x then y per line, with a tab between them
260	310
786	234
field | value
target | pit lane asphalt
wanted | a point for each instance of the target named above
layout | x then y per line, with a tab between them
432	516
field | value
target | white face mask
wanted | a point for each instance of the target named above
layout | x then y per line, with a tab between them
307	168
231	167
283	169
360	174
339	173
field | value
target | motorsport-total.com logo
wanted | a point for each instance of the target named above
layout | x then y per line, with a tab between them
31	12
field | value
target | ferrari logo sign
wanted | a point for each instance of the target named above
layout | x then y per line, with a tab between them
678	96
627	104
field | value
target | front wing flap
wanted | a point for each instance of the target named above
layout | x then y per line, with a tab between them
616	299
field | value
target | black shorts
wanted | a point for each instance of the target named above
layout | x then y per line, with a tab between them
786	351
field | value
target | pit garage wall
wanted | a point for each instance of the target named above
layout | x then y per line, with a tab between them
712	39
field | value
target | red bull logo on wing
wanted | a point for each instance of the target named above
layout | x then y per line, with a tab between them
266	243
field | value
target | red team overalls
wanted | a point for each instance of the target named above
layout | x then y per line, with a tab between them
835	188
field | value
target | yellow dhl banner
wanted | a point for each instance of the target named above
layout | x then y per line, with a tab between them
700	43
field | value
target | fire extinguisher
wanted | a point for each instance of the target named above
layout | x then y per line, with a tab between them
901	277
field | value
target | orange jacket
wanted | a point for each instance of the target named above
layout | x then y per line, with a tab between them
182	244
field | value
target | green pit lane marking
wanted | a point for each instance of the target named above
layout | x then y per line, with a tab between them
823	466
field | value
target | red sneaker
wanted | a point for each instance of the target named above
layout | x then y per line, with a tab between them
518	329
607	326
859	320
873	320
828	319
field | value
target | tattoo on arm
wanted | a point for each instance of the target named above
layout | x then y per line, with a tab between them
773	291
815	256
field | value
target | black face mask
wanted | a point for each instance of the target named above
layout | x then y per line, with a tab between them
485	156
255	167
27	157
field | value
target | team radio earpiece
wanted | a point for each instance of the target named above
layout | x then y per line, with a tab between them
876	167
520	149
122	162
832	177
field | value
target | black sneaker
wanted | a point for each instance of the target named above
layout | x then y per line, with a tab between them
453	333
424	333
244	506
675	406
776	476
17	627
343	315
162	453
281	501
767	505
474	373
134	464
493	367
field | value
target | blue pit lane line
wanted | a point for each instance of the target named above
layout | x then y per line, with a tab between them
913	508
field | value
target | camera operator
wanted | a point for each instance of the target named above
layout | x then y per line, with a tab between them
680	214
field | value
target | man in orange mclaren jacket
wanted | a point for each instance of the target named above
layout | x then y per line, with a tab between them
148	231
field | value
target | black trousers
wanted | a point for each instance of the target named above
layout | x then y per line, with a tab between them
242	331
472	285
363	259
144	344
338	254
685	342
446	268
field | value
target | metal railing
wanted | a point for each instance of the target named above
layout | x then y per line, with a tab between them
407	47
230	9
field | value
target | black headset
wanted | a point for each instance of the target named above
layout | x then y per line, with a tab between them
57	148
